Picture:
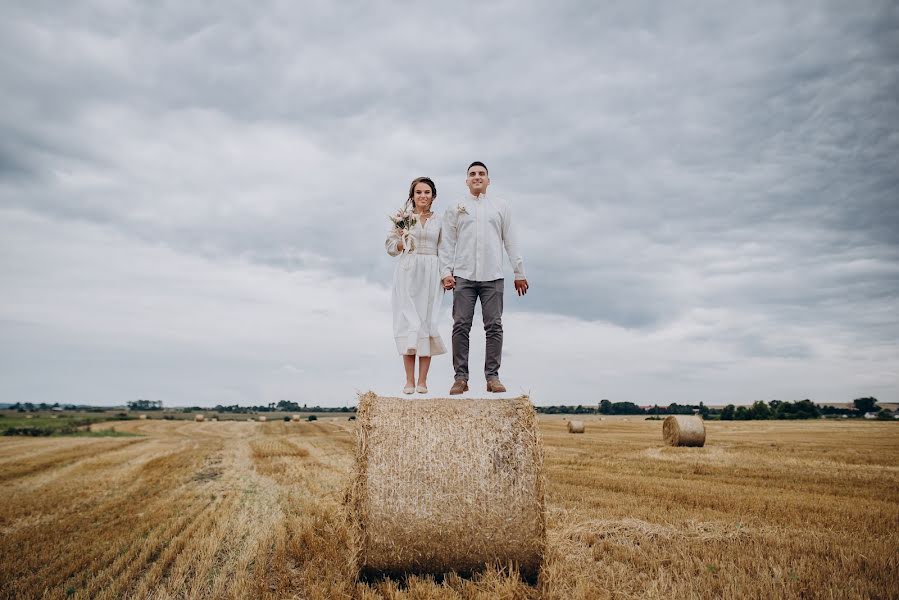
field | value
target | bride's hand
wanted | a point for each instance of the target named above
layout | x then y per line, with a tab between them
399	245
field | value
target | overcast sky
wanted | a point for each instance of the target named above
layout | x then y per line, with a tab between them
193	195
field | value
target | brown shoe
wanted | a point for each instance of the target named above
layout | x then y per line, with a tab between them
495	385
459	386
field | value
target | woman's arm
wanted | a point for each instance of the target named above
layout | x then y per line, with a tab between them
393	243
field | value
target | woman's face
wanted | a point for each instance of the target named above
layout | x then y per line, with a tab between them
421	196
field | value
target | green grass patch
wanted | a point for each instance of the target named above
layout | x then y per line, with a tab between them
42	425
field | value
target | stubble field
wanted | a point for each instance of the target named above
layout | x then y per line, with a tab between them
254	510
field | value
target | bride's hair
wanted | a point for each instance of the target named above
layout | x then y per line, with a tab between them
415	182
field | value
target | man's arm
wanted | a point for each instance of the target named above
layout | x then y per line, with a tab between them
510	242
446	247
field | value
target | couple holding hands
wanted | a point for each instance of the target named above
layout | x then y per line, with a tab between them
463	252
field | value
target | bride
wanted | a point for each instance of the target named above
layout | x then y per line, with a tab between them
417	289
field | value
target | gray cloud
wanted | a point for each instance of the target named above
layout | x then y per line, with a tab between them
660	159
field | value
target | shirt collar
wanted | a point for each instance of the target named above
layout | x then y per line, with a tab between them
473	197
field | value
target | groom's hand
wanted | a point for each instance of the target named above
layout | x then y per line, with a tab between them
521	286
449	282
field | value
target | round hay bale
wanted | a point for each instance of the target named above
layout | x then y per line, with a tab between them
199	418
683	430
447	485
143	417
575	427
295	418
263	419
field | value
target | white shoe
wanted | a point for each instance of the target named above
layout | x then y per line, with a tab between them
421	389
409	389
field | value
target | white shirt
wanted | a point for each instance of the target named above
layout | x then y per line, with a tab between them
474	233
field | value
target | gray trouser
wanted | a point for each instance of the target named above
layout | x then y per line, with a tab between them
465	295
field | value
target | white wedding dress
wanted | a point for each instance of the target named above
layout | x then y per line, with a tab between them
417	290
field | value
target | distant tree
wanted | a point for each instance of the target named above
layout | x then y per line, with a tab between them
703	410
141	404
288	406
833	410
677	409
742	414
605	407
626	408
727	413
884	414
312	418
806	409
865	405
760	410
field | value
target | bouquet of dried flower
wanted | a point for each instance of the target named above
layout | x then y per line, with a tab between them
403	221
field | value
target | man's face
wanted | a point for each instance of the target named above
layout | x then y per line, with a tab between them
477	180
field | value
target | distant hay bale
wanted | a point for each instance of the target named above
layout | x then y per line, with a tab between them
602	418
575	427
143	417
683	430
295	418
263	419
214	419
199	418
447	485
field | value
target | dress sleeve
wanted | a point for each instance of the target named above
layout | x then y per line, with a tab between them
392	242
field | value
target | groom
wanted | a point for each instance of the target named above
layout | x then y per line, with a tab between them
475	231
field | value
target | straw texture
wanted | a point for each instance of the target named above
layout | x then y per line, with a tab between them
575	427
683	430
199	418
447	485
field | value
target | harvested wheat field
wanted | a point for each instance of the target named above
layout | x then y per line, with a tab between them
255	510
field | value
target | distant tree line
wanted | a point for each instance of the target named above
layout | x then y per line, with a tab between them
759	410
144	404
32	407
280	406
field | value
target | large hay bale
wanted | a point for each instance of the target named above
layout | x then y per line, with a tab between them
143	417
295	418
683	430
447	485
575	427
263	419
199	418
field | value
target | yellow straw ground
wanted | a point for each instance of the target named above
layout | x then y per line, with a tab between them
255	510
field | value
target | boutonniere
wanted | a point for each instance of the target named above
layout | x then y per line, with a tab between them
460	208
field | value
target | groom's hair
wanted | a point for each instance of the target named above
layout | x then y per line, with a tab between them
478	164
